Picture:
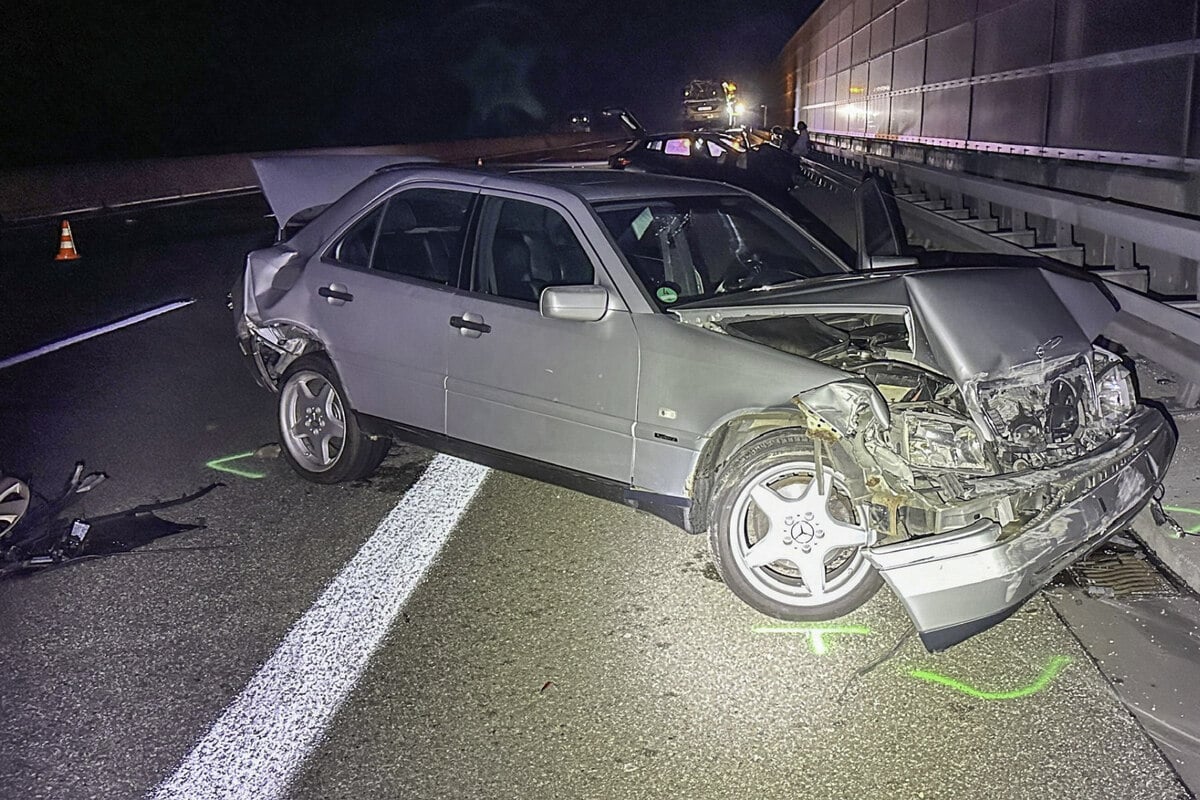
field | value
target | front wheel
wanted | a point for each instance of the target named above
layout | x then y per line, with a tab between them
786	543
319	433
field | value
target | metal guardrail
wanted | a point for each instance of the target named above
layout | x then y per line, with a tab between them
1159	230
1166	334
825	176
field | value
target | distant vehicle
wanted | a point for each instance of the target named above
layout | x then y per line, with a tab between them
579	122
708	103
728	155
682	346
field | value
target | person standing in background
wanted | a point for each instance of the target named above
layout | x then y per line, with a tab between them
799	145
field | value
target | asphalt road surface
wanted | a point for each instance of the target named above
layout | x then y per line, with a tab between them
437	631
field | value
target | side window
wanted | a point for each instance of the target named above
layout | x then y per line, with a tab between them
678	147
525	247
422	234
354	248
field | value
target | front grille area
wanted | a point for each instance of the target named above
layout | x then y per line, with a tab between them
1042	413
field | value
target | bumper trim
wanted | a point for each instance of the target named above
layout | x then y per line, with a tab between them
944	638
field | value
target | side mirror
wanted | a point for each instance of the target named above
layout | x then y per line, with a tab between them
880	229
576	303
890	262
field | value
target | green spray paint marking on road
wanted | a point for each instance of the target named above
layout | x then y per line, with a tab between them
220	464
1048	674
816	633
1195	512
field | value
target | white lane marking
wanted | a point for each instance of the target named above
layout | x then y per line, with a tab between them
103	329
259	744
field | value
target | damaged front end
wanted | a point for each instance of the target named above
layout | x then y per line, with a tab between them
970	524
979	490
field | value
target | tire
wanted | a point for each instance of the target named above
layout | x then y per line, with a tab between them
319	433
804	527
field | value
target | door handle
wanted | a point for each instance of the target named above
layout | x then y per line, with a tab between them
336	294
471	325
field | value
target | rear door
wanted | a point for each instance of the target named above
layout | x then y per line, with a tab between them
558	391
381	295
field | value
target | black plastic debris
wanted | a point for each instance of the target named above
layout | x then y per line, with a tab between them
43	534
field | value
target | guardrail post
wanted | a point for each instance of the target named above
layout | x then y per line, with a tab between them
1064	234
1119	253
1189	395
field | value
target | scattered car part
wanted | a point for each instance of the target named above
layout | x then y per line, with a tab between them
1161	517
50	537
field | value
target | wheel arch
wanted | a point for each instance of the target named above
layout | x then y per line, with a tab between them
725	438
735	431
273	347
777	453
374	428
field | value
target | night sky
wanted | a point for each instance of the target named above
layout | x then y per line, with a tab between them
122	80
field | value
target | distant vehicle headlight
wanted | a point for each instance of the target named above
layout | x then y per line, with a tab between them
940	442
1115	393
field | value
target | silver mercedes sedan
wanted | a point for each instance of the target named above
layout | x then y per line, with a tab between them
680	346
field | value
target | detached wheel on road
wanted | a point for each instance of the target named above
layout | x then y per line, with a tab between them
318	432
785	544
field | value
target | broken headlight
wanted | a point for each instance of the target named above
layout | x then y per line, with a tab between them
940	441
1115	393
1040	405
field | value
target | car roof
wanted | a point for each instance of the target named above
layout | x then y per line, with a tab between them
592	183
596	185
589	184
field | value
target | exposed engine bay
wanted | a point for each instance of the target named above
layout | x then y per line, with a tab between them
947	454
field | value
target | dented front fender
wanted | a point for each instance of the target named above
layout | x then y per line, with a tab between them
842	408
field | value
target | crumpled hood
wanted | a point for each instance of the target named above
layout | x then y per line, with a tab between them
969	322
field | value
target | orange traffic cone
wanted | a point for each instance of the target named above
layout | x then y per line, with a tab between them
66	244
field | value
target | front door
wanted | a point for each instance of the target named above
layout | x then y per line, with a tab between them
381	295
558	391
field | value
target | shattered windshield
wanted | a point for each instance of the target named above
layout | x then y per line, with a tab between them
691	248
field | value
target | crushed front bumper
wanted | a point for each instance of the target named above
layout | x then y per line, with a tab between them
958	583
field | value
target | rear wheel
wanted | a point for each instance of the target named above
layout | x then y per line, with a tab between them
318	431
786	537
